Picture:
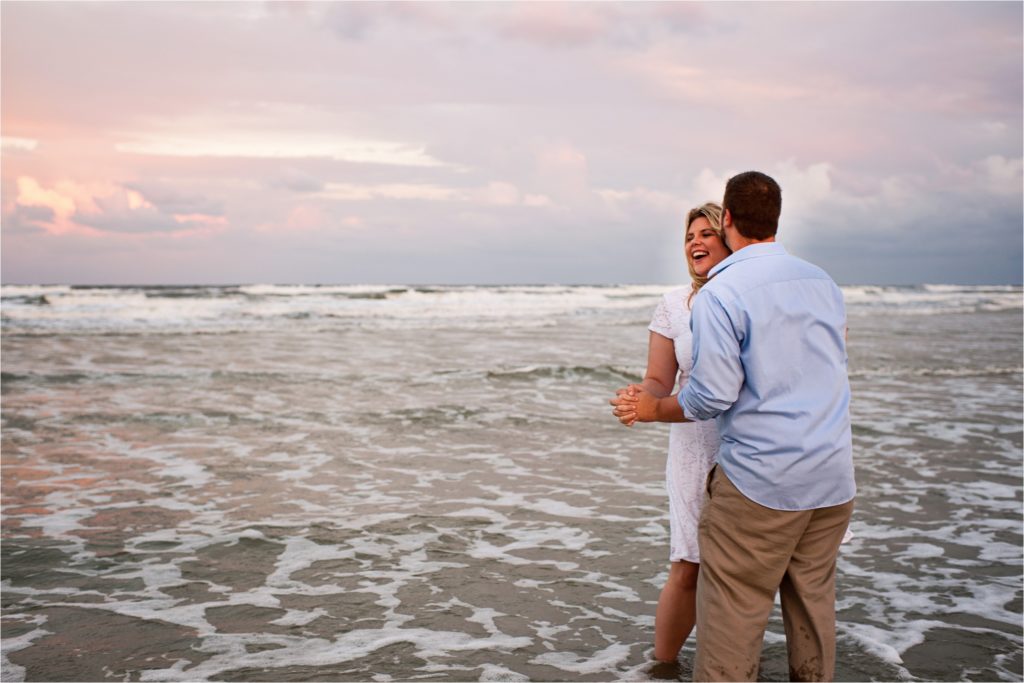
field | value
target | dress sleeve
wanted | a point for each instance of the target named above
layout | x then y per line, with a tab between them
661	321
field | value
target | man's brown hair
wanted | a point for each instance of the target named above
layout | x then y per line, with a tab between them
755	202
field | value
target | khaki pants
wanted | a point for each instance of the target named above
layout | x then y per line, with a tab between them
747	552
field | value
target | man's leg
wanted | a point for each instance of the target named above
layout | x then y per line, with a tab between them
808	596
745	549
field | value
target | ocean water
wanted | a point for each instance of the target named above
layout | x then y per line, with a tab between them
426	483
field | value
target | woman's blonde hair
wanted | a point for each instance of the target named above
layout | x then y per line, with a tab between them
712	212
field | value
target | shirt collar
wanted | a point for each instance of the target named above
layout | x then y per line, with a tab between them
748	252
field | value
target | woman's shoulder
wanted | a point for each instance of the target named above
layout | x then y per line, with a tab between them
672	315
678	299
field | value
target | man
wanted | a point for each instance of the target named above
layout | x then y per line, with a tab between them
770	364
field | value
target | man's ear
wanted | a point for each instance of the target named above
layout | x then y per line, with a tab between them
726	218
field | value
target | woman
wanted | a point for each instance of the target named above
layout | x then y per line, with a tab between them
692	445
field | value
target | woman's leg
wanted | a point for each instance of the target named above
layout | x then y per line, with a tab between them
677	610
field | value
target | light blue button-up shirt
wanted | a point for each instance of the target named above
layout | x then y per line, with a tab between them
769	362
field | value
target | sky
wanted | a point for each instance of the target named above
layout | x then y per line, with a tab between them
504	143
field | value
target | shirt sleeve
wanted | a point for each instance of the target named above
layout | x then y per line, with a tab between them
661	321
717	373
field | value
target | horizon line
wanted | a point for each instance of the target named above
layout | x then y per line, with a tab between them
110	285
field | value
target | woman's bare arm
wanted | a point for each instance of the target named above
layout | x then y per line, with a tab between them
662	367
659	379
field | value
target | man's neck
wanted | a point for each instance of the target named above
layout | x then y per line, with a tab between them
743	243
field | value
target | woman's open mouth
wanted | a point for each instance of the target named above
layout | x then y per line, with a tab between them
698	255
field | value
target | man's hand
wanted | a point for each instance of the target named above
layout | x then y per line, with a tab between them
646	406
636	403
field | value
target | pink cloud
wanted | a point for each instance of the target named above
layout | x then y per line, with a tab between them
557	24
103	208
64	200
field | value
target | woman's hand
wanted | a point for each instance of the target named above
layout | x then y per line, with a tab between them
625	403
658	382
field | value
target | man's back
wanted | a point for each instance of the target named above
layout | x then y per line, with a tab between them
770	364
770	328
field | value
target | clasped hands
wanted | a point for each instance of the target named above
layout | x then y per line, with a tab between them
634	403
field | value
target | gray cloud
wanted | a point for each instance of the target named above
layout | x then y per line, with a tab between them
297	181
352	20
118	214
141	221
933	249
169	200
26	219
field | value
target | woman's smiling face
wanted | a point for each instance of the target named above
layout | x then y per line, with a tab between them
704	248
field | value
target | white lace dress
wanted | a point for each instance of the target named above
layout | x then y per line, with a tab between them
692	446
